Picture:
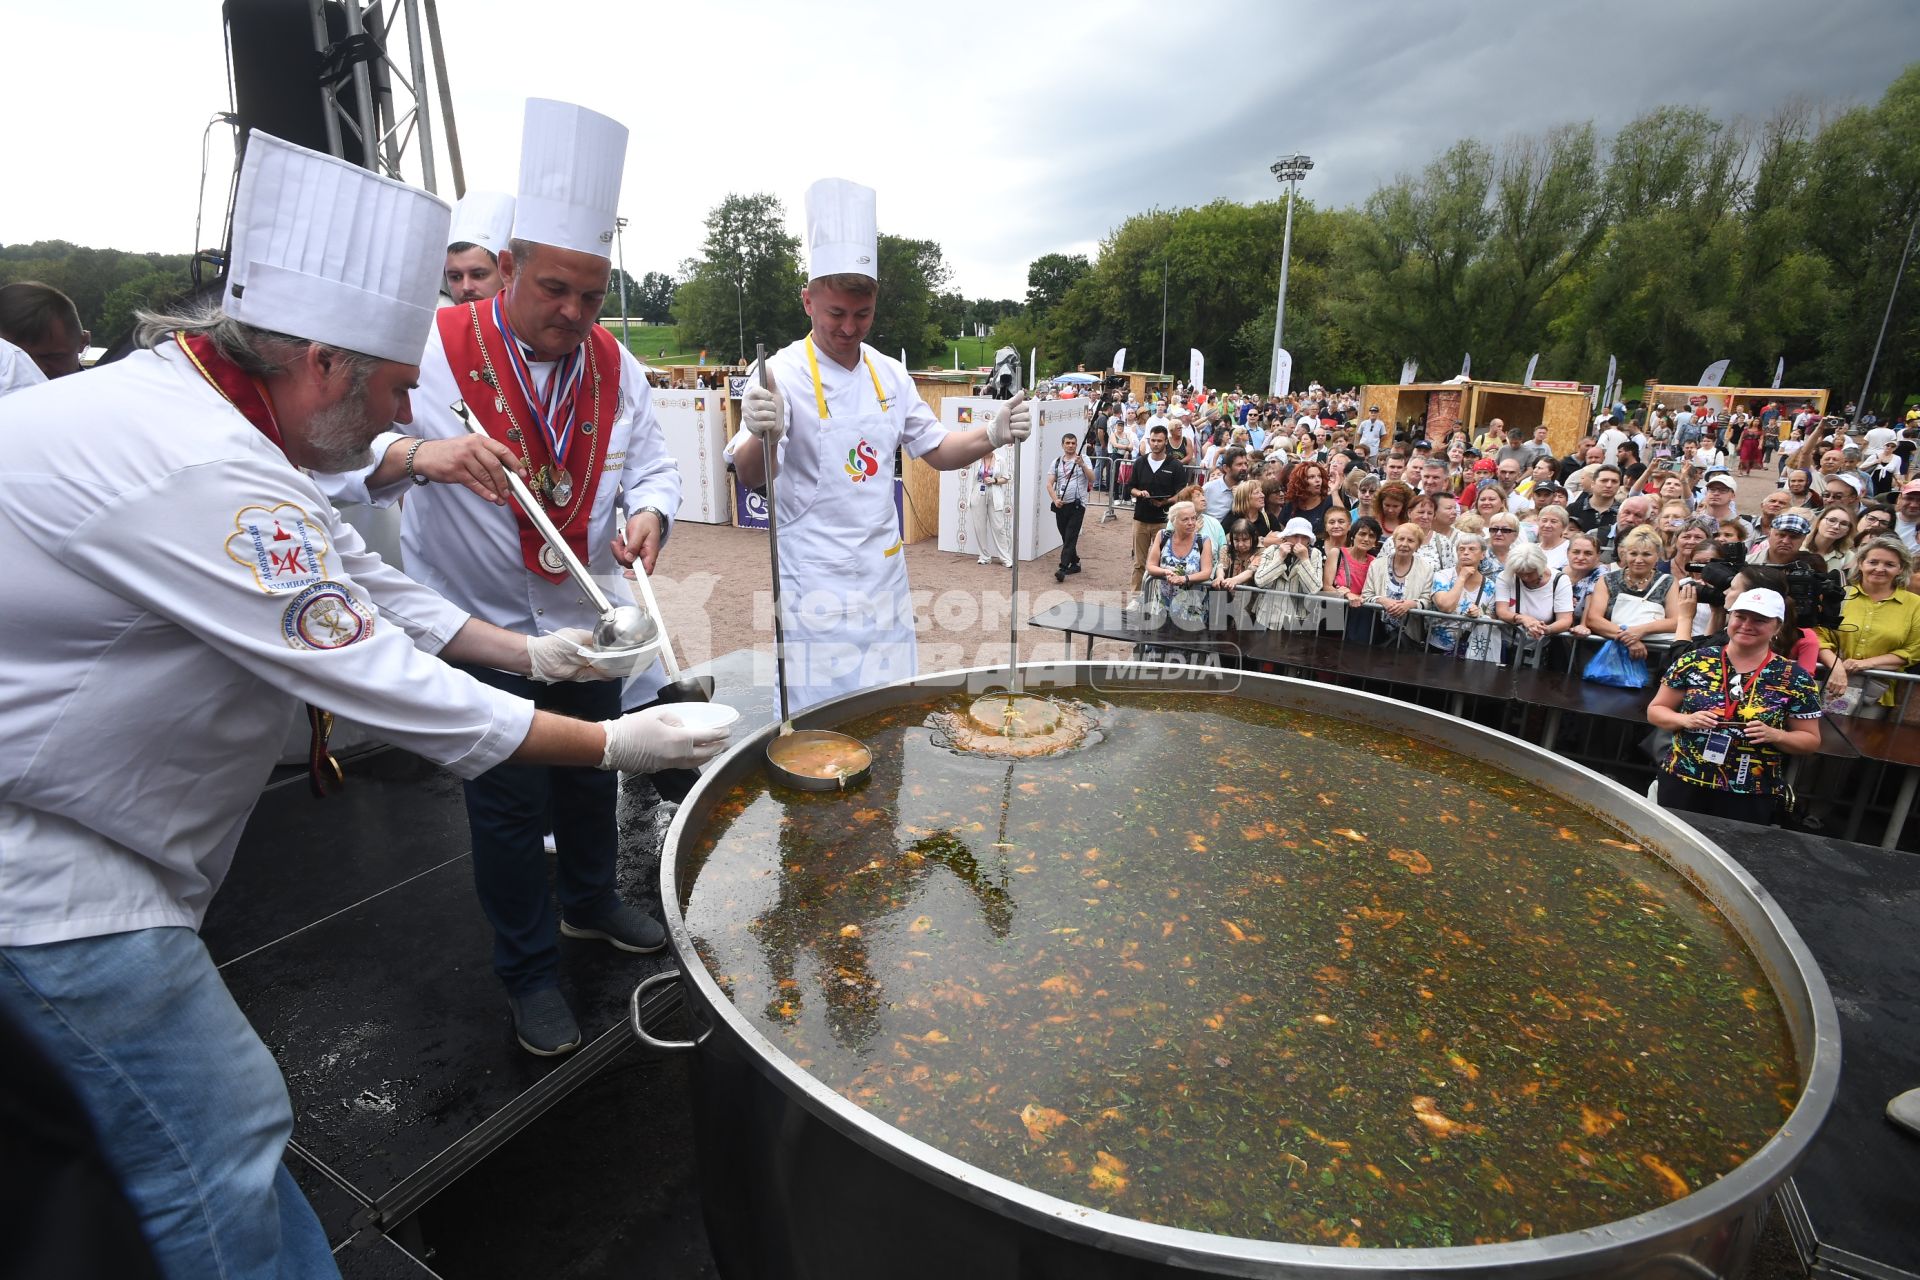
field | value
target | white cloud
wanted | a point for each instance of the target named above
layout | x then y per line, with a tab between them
1001	139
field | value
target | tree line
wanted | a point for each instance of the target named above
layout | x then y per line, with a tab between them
1677	241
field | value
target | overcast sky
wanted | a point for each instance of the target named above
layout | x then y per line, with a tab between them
1001	140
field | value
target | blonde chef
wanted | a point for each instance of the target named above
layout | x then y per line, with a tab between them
839	411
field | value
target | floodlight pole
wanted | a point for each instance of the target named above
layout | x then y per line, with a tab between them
1163	309
1860	405
1288	169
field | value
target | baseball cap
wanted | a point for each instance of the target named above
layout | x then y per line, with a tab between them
1486	464
1760	600
1853	482
1722	479
1911	486
1792	523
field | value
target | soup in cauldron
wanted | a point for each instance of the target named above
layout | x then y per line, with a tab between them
1243	969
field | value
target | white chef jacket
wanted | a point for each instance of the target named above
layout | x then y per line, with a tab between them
160	635
849	393
805	468
468	549
17	369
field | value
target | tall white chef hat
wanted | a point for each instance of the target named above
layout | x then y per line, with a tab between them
843	237
330	252
484	218
570	165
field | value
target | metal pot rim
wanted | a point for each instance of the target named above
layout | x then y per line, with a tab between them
1745	903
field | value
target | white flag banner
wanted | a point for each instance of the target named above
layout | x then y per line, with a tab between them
1120	360
903	357
1466	365
1531	366
1409	370
1033	368
1715	371
1196	368
1283	374
1779	372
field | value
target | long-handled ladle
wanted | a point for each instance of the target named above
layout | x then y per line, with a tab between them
808	759
622	628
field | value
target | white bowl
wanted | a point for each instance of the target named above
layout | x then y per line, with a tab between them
705	715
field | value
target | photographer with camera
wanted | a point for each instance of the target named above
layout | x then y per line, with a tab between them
1733	710
1879	628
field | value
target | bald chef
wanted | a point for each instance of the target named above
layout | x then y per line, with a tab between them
838	411
178	586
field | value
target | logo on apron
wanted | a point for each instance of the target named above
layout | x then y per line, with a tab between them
862	463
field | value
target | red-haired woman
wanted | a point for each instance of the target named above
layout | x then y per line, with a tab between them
1307	497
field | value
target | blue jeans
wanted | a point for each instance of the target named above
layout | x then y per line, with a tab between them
511	807
189	1105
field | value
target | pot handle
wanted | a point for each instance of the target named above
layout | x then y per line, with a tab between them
638	1017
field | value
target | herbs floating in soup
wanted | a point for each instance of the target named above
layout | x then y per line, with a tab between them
1246	970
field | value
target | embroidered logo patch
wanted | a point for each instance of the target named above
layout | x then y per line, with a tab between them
285	551
966	414
862	463
326	616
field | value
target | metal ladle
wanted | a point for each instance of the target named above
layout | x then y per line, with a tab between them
788	753
688	688
622	628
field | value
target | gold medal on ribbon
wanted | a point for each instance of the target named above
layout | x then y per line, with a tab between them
560	486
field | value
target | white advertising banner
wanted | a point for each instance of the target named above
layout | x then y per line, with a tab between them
1052	419
695	426
1196	369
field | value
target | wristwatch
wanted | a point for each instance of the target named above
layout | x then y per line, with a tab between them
666	525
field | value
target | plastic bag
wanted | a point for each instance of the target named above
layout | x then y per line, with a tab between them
1616	665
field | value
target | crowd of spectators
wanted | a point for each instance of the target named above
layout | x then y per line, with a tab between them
1343	522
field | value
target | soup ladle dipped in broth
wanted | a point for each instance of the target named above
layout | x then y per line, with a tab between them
805	759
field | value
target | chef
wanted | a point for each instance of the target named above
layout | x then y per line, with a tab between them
563	401
482	226
838	411
178	587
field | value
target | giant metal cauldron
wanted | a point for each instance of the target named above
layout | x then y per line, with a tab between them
797	1181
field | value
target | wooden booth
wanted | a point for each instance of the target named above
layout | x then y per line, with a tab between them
1734	399
1472	404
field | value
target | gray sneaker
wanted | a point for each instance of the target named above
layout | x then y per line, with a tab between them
543	1024
626	927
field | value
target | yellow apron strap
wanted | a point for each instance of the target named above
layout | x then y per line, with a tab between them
820	395
893	550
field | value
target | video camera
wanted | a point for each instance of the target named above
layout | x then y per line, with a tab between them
1816	596
1718	574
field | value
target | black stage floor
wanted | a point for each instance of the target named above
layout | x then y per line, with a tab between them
431	1144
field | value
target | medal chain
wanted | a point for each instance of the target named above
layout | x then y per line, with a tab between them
540	491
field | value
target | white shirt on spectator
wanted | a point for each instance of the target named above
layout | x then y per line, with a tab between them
1611	439
1219	495
1549	599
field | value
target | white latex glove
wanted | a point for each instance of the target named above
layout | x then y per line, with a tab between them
762	411
555	658
653	739
1013	422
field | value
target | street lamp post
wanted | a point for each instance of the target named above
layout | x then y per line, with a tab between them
1860	405
1288	169
620	246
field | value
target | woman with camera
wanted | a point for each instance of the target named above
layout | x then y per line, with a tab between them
1735	711
1879	625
